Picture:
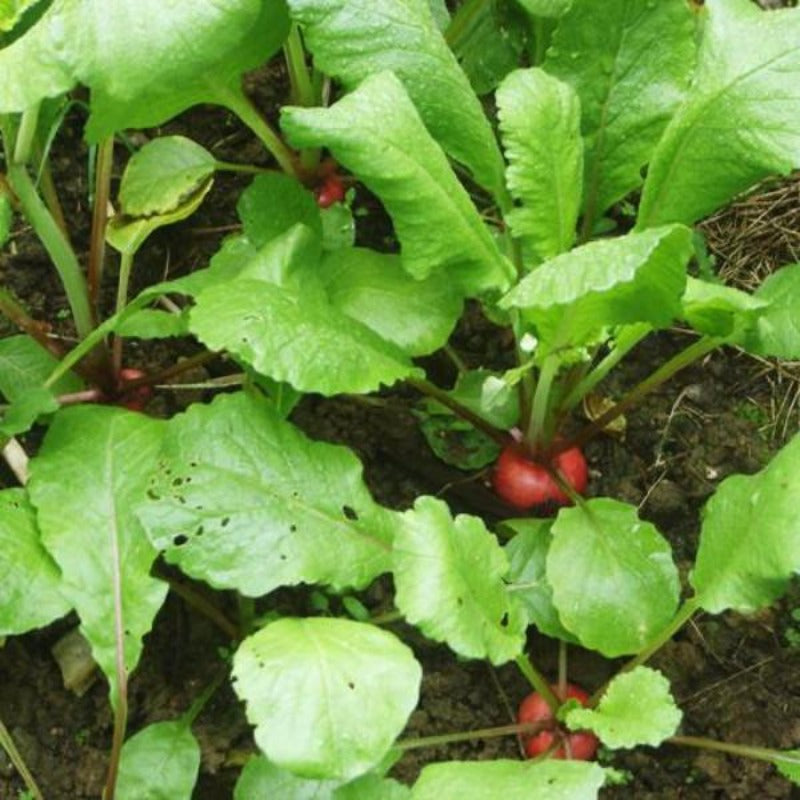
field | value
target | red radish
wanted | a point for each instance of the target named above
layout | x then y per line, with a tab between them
527	484
330	191
580	745
135	399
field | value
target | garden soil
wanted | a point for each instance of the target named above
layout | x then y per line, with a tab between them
736	678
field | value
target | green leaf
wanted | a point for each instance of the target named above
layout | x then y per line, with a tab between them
777	331
510	780
354	40
30	593
416	315
242	500
718	310
750	537
159	177
377	133
788	764
261	780
545	8
25	364
141	72
527	575
328	697
614	583
373	787
635	278
637	708
274	203
151	323
454	440
296	336
127	234
740	120
630	62
540	122
160	762
23	412
89	528
448	576
488	39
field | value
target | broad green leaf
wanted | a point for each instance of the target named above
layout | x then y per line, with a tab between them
25	364
750	537
440	13
146	62
91	471
30	593
338	227
777	331
488	40
151	323
718	310
637	708
540	122
274	203
635	278
354	40
454	440
416	315
740	120
510	780
545	8
788	764
296	336
23	412
128	234
159	177
373	787
614	583
328	697
630	62
527	575
242	500
160	762
262	780
377	133
449	580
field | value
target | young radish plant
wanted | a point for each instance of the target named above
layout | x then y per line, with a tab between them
233	494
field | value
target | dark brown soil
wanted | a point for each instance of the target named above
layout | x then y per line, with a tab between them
736	678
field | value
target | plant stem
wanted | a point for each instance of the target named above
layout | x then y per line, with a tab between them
468	736
562	668
57	246
125	266
537	424
102	192
683	359
237	102
203	606
26	135
538	681
627	341
431	390
247	169
13	310
7	743
194	710
302	91
247	614
746	750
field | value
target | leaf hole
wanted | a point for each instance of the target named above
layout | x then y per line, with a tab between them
153	495
460	601
351	685
177	481
350	513
504	621
293	528
199	531
282	556
180	540
224	522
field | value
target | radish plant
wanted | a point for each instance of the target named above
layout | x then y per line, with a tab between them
660	99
